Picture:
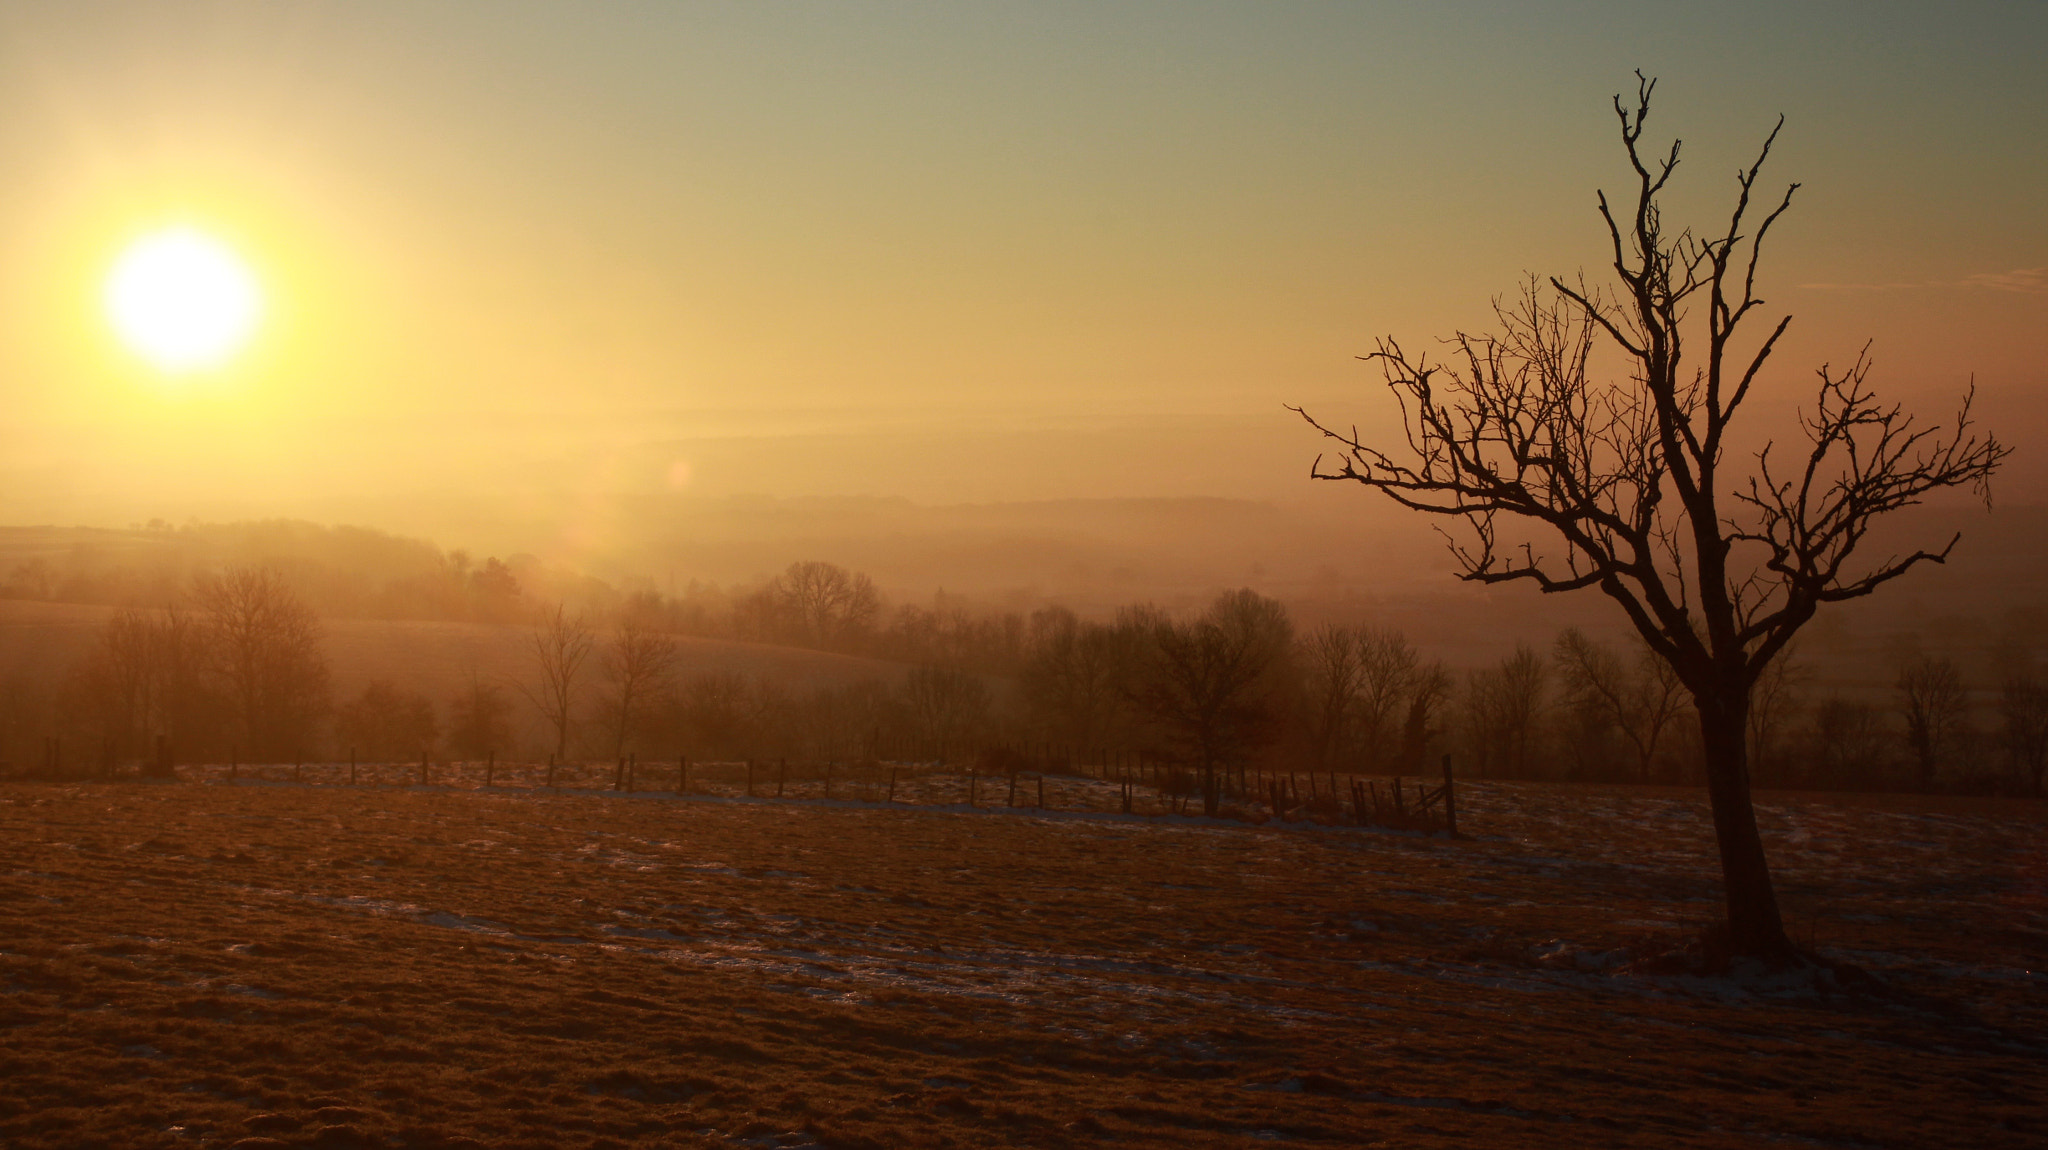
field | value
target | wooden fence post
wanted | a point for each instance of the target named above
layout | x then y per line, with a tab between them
682	774
490	766
892	783
551	770
750	778
781	775
632	767
351	766
1450	800
423	766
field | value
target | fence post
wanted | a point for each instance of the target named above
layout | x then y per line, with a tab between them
892	783
490	766
1450	800
750	778
781	775
828	778
1041	792
1013	784
423	766
351	766
551	770
682	774
632	766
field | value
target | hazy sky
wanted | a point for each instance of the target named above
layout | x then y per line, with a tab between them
550	254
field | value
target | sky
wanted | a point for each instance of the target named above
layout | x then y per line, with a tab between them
559	259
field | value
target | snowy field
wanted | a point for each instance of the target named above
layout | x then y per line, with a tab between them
272	965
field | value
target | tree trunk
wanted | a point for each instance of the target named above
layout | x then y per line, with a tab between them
1755	929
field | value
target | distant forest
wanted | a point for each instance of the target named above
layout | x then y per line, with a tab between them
218	648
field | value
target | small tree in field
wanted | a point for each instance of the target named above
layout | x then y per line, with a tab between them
561	644
1569	479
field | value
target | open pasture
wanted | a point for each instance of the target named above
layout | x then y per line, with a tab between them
272	965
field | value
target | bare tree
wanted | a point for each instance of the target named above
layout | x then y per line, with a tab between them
477	719
1849	743
266	642
636	663
1209	682
944	705
1932	703
1771	701
817	605
1387	670
1641	700
717	712
2023	715
561	644
384	722
1331	674
1505	704
1570	480
1429	691
1074	674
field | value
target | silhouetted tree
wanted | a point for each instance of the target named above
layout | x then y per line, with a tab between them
814	604
1771	703
1570	480
718	713
1074	676
1209	683
384	722
1328	657
1387	675
636	663
1429	692
1507	703
1640	697
1847	743
265	643
561	644
1931	702
2023	727
478	719
944	705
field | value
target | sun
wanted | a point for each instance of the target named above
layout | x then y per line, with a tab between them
182	300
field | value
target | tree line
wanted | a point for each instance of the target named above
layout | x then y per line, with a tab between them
239	668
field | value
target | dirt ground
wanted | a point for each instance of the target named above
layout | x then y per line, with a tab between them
265	965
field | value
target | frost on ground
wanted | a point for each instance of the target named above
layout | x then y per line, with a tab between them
200	965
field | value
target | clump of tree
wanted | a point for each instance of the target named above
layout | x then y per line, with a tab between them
479	720
243	673
1638	697
387	723
265	643
634	668
1213	686
1569	478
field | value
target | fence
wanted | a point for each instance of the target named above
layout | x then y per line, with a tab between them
1040	778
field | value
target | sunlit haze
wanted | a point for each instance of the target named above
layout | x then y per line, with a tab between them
558	259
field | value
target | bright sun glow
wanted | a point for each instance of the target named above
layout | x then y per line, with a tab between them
182	300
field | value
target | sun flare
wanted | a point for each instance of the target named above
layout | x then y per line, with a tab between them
182	300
